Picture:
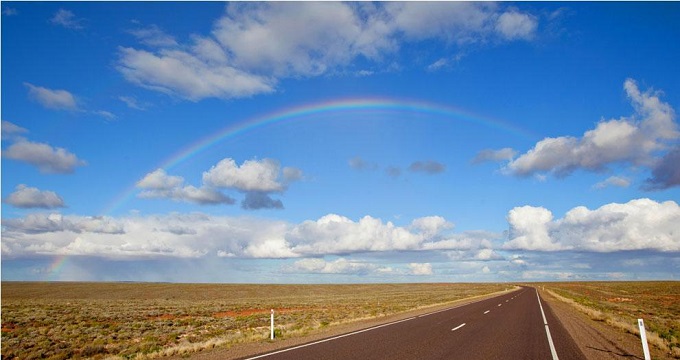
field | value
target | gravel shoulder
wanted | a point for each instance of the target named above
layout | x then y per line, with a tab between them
596	339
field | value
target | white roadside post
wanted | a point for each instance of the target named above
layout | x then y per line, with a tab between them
643	337
272	325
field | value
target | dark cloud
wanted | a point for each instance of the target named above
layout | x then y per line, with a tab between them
428	167
258	200
666	174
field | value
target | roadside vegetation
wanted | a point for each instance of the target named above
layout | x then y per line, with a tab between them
144	320
620	304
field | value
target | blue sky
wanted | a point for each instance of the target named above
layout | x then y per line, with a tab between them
376	142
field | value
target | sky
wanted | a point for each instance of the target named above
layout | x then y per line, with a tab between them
340	142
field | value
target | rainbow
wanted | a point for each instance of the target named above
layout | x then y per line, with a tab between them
308	111
55	267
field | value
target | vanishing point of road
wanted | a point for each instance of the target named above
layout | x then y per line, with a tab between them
515	325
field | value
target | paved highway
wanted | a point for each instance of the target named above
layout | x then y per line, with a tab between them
516	325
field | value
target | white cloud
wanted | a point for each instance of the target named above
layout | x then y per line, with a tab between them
160	185
104	113
159	180
454	22
132	103
186	75
338	266
252	175
46	158
632	140
299	39
515	25
420	268
529	229
30	197
256	178
67	19
154	36
200	235
9	129
293	39
641	224
618	181
431	226
52	99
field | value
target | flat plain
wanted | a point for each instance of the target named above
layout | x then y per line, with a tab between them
148	320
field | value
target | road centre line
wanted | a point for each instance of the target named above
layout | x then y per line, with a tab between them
358	331
547	329
486	312
458	327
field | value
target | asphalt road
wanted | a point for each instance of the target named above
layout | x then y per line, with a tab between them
510	326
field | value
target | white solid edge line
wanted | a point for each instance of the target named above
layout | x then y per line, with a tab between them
547	330
329	339
458	327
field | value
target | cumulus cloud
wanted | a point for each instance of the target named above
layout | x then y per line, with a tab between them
201	235
257	179
633	140
67	19
46	158
29	197
159	180
251	176
305	39
420	268
427	167
52	99
159	185
640	224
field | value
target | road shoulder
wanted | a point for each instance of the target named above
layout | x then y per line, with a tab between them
596	339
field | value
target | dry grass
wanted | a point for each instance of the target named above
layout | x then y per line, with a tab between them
125	320
620	304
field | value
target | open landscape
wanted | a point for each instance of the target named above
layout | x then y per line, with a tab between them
136	320
149	320
402	180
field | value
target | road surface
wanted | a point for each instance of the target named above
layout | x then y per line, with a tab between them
516	325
